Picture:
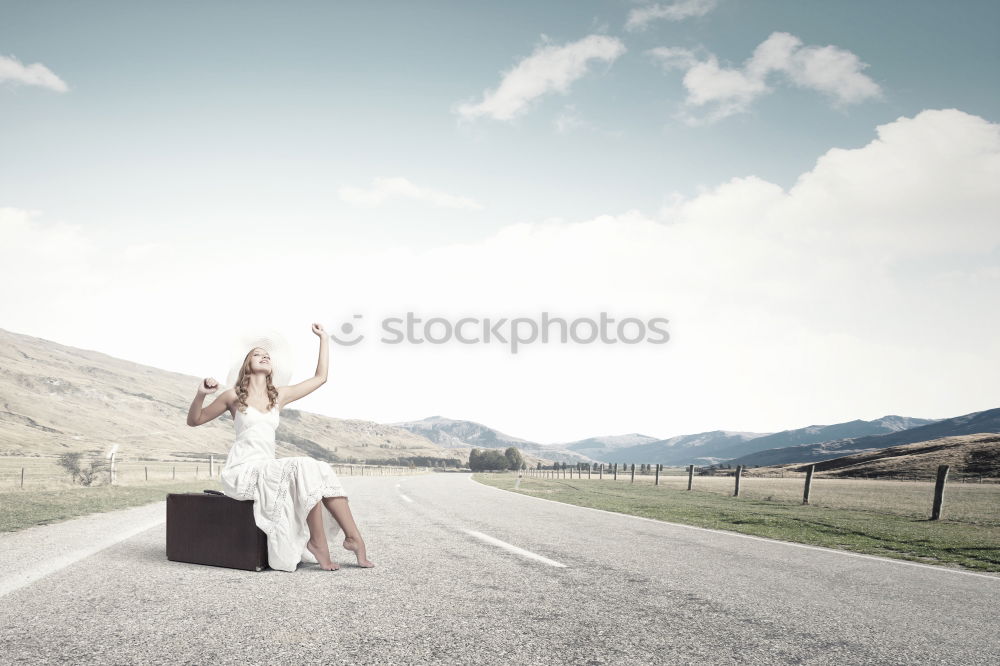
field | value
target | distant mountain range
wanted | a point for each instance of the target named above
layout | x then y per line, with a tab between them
453	433
987	421
717	446
598	448
702	448
57	398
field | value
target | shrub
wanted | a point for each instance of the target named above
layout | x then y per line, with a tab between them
87	475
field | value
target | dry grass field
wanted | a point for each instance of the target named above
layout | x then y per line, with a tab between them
44	473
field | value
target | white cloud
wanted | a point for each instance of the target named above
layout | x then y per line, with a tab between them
549	68
726	91
383	190
640	17
861	290
569	119
14	71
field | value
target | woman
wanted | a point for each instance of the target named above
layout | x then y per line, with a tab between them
288	493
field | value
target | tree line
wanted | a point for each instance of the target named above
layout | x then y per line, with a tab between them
481	460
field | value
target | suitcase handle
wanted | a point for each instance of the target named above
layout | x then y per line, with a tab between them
213	492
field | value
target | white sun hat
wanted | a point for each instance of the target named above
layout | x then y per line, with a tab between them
277	346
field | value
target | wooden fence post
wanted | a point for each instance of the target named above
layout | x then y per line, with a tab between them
589	468
942	474
173	473
657	474
809	480
22	477
600	472
690	475
739	471
633	473
616	472
147	472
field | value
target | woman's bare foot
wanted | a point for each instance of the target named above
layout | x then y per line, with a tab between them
322	554
357	545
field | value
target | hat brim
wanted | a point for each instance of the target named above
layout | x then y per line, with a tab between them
282	359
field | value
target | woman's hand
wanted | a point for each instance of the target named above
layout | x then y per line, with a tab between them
208	385
319	330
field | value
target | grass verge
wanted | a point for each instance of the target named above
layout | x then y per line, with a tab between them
942	542
26	508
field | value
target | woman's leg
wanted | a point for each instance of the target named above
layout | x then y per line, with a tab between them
318	544
352	536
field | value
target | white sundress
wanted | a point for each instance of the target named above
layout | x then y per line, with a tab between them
284	490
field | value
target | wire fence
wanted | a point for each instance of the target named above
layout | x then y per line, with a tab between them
966	499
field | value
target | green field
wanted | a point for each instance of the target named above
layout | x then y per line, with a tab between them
26	508
859	516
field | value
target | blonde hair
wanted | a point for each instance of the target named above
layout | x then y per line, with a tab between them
243	382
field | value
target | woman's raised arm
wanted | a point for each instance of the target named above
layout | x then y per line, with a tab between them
296	391
197	414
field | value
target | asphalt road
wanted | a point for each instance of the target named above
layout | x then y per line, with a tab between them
468	574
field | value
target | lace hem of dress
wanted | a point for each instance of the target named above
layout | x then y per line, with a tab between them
246	492
325	491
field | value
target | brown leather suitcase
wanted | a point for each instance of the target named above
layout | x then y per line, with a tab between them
214	529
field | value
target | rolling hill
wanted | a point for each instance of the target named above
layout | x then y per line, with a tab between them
967	455
57	398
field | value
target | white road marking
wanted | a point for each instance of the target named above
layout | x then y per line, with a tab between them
503	544
52	564
747	536
512	548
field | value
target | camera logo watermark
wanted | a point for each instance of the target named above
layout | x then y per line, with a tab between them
514	332
347	328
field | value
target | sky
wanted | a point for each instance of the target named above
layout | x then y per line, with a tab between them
807	192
